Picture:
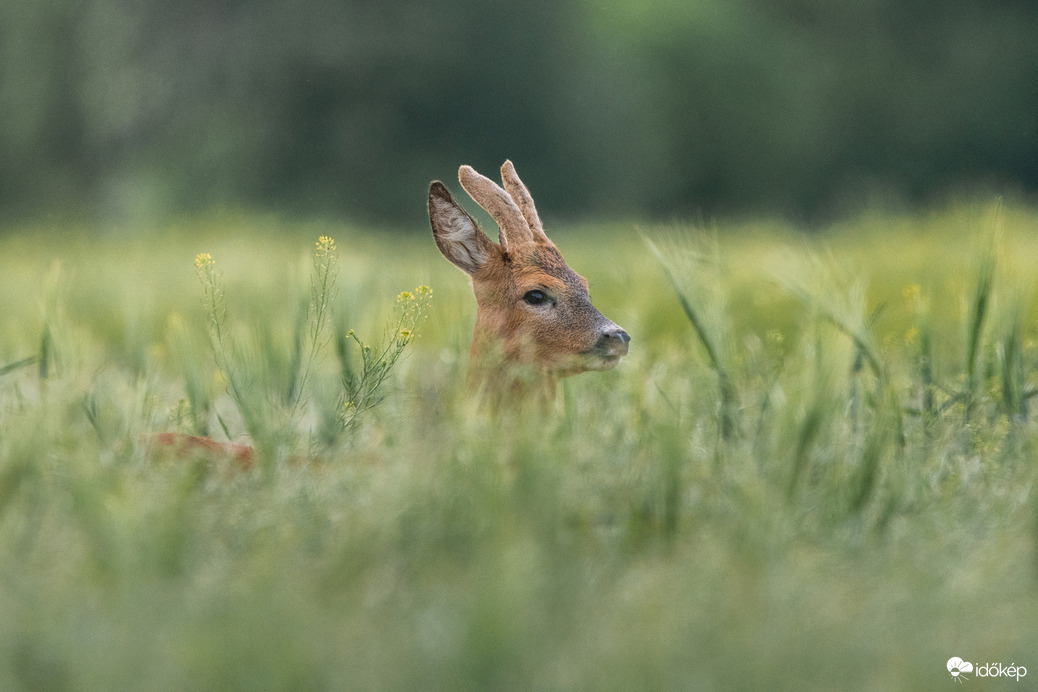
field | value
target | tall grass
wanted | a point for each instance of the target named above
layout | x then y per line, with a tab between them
852	509
273	418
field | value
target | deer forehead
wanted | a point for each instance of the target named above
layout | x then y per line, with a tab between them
529	267
539	265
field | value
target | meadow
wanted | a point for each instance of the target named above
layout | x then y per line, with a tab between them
814	471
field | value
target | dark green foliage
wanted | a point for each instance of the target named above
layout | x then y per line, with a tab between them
616	107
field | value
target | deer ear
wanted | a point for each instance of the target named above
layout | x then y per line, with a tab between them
456	233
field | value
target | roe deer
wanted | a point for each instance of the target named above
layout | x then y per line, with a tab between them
535	322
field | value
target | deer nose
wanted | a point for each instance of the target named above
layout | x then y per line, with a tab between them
614	341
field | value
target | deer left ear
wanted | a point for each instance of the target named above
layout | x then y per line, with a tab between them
456	233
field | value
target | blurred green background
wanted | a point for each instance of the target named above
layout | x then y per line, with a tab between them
117	110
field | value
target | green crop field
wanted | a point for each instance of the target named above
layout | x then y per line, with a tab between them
814	471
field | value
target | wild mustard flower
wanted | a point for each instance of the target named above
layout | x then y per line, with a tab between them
418	294
913	295
205	267
362	387
322	294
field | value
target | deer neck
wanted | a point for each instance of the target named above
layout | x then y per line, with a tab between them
499	371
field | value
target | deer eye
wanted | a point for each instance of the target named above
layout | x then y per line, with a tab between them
535	297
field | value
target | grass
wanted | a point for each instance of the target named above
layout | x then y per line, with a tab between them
814	471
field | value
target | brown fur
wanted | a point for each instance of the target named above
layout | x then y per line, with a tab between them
182	446
516	345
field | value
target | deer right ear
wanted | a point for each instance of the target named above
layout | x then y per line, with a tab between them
456	233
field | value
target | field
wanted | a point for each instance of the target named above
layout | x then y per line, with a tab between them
814	471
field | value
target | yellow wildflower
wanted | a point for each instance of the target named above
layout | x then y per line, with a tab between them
912	292
203	260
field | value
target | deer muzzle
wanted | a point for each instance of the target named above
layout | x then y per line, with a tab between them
610	347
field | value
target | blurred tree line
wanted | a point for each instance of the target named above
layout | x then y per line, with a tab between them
608	107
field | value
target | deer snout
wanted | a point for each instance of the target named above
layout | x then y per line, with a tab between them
613	342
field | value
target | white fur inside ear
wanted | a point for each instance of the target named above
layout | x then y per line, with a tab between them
459	238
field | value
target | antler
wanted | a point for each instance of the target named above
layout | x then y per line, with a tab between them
513	225
517	190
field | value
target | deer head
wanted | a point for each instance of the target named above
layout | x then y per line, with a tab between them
535	319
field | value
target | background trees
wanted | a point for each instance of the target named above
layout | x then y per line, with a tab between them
615	107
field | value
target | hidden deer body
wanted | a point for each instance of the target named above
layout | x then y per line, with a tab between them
535	322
